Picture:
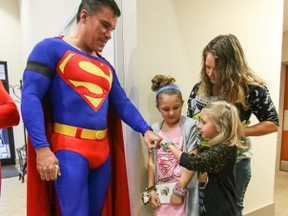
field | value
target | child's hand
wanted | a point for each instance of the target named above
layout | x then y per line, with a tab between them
203	179
165	145
154	200
176	200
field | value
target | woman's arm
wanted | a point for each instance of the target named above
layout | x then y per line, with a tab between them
262	128
261	105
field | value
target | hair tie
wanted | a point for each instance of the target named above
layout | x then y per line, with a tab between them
167	87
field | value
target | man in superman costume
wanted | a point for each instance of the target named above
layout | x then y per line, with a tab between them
70	142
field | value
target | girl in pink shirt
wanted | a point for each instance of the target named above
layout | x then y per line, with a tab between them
172	189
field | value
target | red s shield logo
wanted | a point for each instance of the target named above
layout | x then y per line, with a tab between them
90	78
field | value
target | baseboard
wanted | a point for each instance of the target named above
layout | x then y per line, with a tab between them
268	210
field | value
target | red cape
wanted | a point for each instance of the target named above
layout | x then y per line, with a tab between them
41	195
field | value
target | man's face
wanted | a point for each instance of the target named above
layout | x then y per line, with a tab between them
98	29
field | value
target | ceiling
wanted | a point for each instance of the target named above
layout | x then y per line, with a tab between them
285	23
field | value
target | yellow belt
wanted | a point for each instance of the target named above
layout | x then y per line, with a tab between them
81	133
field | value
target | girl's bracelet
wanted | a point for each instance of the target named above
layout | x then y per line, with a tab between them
150	188
179	191
145	196
166	144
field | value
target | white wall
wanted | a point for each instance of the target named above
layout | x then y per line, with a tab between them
171	36
40	19
127	73
25	22
11	51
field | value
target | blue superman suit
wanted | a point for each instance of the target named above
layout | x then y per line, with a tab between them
78	89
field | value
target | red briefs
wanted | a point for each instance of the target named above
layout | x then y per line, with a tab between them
96	151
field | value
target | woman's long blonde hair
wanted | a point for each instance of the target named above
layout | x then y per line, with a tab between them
233	72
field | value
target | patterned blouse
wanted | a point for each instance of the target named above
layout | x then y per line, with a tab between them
257	97
259	103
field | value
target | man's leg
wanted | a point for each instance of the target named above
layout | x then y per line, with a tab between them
99	180
72	185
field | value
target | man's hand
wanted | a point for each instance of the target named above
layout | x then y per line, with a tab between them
47	164
152	140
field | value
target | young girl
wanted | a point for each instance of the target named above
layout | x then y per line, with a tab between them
220	124
168	188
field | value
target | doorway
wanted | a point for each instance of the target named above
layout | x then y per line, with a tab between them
284	136
7	149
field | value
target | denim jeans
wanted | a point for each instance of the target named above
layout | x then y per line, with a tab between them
243	176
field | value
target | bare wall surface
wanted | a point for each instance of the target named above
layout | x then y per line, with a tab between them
11	52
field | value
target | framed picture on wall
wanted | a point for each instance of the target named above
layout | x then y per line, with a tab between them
5	152
3	71
7	147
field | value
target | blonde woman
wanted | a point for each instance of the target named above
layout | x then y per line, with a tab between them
225	75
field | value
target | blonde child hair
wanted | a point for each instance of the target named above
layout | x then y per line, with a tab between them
226	118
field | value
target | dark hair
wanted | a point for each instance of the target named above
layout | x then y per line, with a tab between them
160	81
94	6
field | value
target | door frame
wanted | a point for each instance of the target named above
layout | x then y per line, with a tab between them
281	164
